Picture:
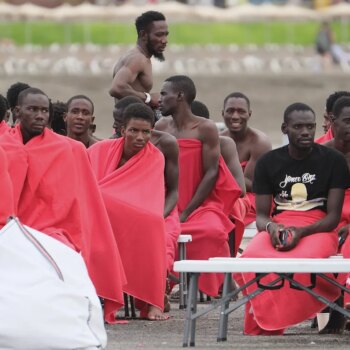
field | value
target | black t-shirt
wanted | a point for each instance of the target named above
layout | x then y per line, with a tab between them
301	184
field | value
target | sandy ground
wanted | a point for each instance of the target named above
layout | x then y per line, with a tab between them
168	335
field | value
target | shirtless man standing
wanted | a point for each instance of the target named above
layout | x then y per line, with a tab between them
251	143
132	75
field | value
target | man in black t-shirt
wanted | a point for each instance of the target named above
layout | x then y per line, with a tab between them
306	181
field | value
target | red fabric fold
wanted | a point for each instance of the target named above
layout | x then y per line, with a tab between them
325	137
251	215
134	197
209	224
6	192
238	213
99	247
278	309
172	232
4	127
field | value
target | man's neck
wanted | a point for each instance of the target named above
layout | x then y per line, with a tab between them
26	136
341	145
143	50
298	154
83	138
182	118
239	136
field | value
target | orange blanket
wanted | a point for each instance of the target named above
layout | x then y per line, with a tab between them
209	224
325	137
134	197
6	192
273	311
59	196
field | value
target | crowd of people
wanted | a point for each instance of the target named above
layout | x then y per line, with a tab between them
122	202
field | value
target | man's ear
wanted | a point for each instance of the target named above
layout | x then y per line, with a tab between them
180	95
65	117
143	35
250	113
16	111
92	119
284	128
122	131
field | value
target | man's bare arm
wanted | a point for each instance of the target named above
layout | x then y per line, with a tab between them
261	146
230	155
171	154
210	160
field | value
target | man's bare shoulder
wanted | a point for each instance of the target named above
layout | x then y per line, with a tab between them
165	142
132	58
226	140
163	123
225	132
259	138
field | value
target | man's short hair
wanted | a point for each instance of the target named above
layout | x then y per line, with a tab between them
13	92
297	106
332	98
237	95
183	83
31	90
143	22
3	108
340	104
126	101
200	109
138	111
82	97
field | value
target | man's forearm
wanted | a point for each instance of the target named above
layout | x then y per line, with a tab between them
171	199
326	224
203	190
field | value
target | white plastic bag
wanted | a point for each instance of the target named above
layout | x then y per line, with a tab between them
47	300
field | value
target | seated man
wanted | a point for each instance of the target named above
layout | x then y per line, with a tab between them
168	146
328	116
207	190
56	193
130	174
251	143
307	182
79	118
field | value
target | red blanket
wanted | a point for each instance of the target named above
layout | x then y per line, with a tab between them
325	137
209	224
99	247
6	192
60	197
4	127
172	232
134	197
251	215
239	212
278	309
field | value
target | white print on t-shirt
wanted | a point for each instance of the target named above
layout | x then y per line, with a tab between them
305	179
284	194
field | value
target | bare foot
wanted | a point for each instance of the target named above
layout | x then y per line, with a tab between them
155	314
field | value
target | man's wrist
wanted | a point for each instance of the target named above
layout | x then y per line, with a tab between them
268	224
148	97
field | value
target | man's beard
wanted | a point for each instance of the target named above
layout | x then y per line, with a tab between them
158	55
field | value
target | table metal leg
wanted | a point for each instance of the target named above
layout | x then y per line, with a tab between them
222	336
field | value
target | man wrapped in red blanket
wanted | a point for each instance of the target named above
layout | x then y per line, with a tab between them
207	189
56	192
307	183
130	174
